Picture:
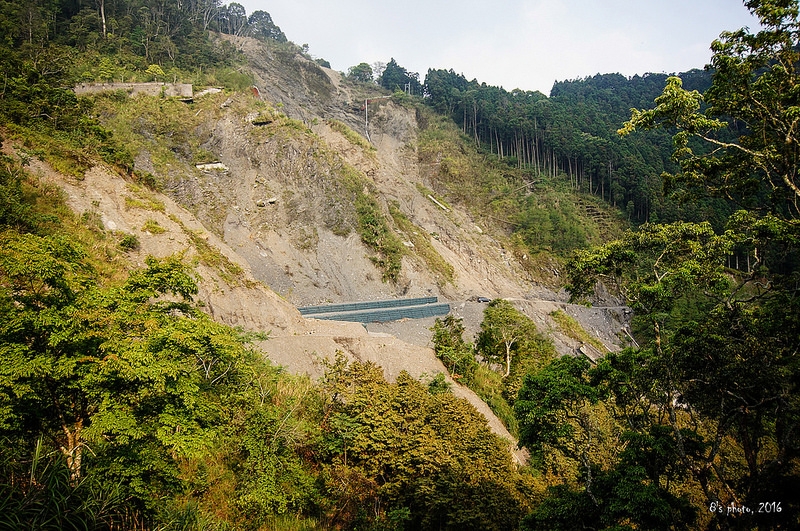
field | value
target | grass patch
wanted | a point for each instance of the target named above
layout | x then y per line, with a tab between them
153	227
489	385
208	255
142	199
422	246
572	329
376	234
351	136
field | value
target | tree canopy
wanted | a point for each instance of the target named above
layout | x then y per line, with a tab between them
713	387
362	73
395	77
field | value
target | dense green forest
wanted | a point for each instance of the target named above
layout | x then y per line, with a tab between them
573	133
124	406
707	405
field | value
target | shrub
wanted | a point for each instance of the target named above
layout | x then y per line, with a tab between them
129	242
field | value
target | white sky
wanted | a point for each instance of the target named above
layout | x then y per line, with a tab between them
526	44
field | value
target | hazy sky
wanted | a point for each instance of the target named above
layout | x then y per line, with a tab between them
526	44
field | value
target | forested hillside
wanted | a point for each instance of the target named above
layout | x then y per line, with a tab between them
573	133
124	404
706	405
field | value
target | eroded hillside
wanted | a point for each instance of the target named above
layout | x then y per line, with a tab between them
280	200
295	166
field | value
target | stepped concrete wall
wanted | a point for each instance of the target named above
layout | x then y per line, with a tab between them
378	311
391	314
368	305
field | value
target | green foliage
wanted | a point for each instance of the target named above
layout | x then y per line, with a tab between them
395	77
231	78
548	398
754	72
129	242
275	479
630	496
438	384
15	211
708	400
449	345
72	373
572	328
153	227
150	415
261	26
428	459
680	256
361	73
559	413
47	117
173	422
732	352
127	382
155	71
507	335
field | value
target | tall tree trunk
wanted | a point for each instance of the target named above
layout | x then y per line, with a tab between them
475	122
102	4
508	359
73	449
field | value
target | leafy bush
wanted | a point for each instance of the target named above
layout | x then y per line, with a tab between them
44	495
376	234
129	242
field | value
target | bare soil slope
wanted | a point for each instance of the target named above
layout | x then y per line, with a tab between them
288	246
266	229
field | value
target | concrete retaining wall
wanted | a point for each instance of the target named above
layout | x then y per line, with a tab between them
391	314
368	305
378	311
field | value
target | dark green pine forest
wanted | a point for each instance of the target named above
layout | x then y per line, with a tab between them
124	406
